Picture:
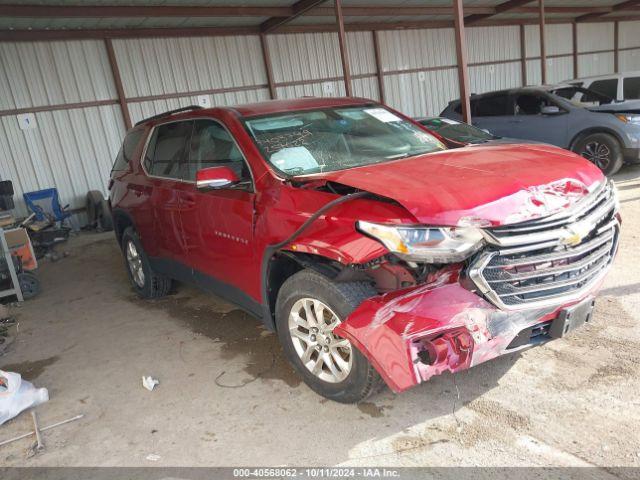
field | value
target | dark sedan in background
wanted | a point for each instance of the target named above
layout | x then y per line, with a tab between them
459	134
593	125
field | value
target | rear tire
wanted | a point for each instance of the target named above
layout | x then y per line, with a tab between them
146	282
308	308
601	149
98	213
105	220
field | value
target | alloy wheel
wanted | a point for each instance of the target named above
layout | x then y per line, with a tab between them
311	325
598	154
135	264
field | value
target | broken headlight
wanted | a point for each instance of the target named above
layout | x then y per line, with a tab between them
426	244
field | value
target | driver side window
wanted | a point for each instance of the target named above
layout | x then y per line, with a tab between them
212	146
531	104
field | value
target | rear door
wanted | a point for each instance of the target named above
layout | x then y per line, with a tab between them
493	113
164	159
218	224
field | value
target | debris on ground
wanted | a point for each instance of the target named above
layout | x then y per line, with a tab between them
153	457
48	427
149	382
38	446
17	395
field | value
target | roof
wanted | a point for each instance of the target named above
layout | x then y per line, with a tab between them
151	17
507	91
308	103
268	107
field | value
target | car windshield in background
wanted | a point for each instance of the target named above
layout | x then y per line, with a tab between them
457	131
332	139
582	97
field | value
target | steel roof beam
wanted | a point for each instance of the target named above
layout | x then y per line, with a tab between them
500	8
36	35
476	13
121	11
298	8
619	7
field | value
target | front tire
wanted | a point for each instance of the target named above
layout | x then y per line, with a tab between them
308	308
603	150
146	282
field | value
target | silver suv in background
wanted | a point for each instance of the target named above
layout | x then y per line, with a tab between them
604	132
620	86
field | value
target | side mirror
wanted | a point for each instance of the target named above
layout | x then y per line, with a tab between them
215	177
550	110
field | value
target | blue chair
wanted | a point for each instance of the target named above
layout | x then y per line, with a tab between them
46	205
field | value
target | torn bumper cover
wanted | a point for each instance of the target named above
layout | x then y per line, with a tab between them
411	335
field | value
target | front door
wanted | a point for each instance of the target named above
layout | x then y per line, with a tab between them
531	123
163	162
217	225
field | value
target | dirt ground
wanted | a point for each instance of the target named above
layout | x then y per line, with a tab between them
228	397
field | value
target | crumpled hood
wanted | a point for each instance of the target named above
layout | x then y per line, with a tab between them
492	185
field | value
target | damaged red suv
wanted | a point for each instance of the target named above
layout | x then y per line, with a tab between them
375	253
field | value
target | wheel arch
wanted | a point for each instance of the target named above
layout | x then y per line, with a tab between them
591	130
121	221
282	264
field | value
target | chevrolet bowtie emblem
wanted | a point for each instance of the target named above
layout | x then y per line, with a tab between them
574	234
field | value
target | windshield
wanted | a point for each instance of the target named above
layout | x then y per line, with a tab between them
582	97
457	131
331	139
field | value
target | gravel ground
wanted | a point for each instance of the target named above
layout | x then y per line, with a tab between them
227	397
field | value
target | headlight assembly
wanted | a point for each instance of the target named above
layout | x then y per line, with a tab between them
628	118
426	244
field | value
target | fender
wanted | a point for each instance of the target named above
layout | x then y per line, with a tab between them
270	251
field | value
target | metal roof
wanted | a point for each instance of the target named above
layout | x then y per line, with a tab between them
321	15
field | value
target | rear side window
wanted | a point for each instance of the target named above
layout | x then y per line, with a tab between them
167	149
631	88
493	106
127	150
605	87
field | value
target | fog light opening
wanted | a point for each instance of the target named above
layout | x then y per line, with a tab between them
448	351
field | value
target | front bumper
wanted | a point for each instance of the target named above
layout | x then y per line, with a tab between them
631	155
411	335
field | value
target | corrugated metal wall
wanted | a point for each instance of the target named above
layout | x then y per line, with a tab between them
595	37
420	79
73	149
630	43
559	46
171	66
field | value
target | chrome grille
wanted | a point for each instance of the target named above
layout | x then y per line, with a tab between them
550	260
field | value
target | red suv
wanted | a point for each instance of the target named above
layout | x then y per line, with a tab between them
373	251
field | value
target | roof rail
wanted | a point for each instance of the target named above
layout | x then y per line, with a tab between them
170	112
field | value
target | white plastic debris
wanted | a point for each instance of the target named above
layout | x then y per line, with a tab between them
149	382
152	457
17	395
